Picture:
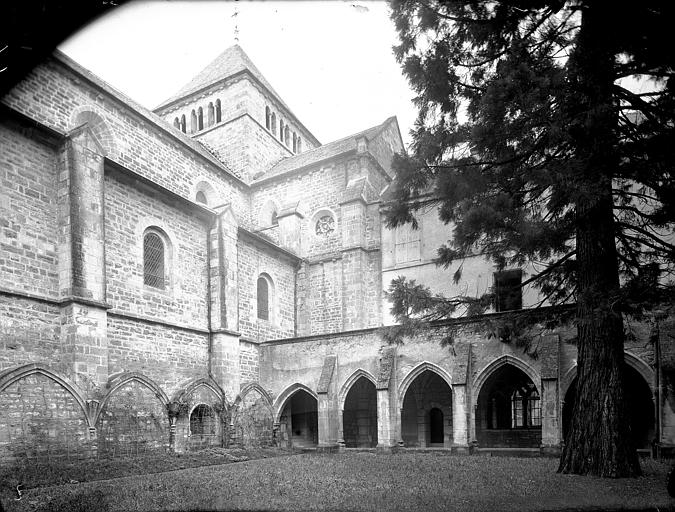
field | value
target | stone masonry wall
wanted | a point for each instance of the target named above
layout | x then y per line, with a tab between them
28	215
254	261
29	332
169	356
54	95
249	363
129	213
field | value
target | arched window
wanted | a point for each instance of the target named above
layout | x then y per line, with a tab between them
525	408
203	421
275	220
200	118
287	135
268	120
295	142
281	130
210	115
176	123
182	123
299	145
274	123
218	112
153	260
193	121
200	197
263	298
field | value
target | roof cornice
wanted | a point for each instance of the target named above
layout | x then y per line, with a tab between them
147	115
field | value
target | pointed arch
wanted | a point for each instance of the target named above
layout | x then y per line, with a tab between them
117	381
9	377
254	386
194	385
287	393
506	359
418	370
351	380
635	362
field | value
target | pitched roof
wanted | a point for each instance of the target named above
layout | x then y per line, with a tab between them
320	153
232	61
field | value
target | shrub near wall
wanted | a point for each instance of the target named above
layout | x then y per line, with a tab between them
133	422
252	421
41	420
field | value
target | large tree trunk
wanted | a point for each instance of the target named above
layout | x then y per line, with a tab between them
598	441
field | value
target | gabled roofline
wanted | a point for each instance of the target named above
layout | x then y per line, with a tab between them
146	114
165	106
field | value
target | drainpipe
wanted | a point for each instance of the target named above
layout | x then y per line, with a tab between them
208	296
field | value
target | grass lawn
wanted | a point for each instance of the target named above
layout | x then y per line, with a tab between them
361	481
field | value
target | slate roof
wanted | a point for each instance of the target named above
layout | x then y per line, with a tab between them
320	153
232	61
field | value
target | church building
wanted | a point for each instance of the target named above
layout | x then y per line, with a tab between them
211	274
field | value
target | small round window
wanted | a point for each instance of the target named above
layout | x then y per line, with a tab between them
325	225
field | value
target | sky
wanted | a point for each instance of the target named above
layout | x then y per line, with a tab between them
330	61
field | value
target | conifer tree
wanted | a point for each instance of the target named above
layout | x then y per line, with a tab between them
538	144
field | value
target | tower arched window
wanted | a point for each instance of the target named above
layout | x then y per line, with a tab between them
193	121
274	123
295	143
287	135
153	260
210	115
182	123
176	123
299	145
263	294
200	118
218	112
268	120
281	130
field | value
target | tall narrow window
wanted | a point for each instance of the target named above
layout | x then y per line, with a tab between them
295	142
210	115
287	136
263	299
193	122
508	290
274	123
200	118
407	244
218	112
153	260
268	120
281	130
299	145
176	123
275	219
182	123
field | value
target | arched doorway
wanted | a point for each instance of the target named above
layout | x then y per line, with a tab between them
359	419
508	412
426	416
436	429
639	403
299	421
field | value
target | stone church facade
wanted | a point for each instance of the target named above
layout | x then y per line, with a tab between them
211	274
